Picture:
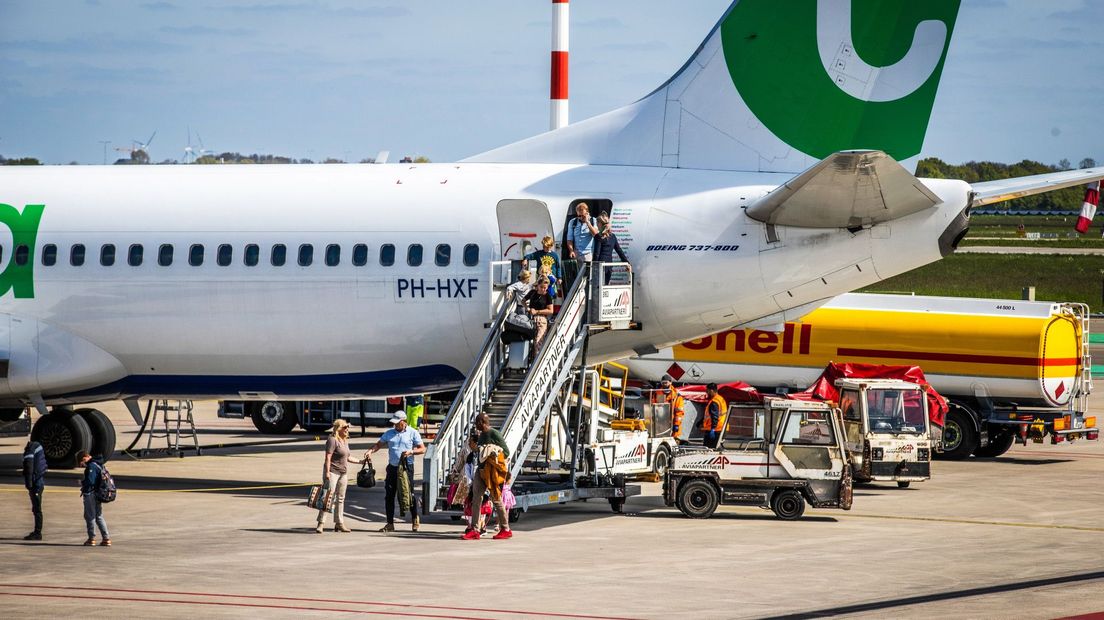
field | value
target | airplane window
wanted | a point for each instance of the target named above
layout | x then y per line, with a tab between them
107	254
225	255
471	255
252	255
1	252
165	254
360	255
414	254
333	255
22	254
279	255
195	255
49	254
443	255
76	255
306	255
134	255
387	255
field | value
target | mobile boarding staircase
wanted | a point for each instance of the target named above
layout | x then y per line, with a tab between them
534	409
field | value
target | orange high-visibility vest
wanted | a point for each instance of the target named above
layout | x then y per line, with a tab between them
678	406
707	422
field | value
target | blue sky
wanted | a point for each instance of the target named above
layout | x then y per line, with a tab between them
447	79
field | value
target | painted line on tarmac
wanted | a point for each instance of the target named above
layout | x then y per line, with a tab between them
297	600
202	490
85	597
1048	526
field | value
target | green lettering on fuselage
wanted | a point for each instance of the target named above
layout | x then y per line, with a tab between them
24	230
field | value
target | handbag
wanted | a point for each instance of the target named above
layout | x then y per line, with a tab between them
320	498
366	477
520	324
508	499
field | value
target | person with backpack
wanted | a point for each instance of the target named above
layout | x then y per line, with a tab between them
95	487
581	231
34	478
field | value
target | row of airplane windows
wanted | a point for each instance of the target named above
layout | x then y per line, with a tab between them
251	255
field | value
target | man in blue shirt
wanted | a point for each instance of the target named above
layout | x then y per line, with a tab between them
402	443
580	244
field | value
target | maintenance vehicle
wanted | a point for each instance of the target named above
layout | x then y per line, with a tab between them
887	430
779	454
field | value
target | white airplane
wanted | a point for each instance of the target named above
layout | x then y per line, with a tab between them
767	165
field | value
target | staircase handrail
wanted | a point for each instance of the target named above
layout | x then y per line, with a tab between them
469	401
547	373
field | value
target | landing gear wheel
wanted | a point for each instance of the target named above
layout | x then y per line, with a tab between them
903	484
959	436
662	462
999	443
617	504
62	434
274	417
788	504
698	499
103	432
515	515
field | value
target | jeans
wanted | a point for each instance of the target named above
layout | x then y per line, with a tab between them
337	483
36	507
391	489
93	516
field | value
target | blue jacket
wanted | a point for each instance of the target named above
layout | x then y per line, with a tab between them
91	477
34	466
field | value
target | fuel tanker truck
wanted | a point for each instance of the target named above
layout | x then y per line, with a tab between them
1011	370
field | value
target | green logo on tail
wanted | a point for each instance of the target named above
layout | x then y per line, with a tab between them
19	278
834	75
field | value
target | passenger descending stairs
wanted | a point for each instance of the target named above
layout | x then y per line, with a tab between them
523	406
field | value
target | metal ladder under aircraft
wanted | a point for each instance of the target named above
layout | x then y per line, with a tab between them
533	410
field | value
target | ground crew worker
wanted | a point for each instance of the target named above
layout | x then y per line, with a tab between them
415	408
713	416
675	401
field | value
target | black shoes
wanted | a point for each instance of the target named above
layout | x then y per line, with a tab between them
33	536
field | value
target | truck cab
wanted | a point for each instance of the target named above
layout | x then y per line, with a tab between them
887	429
779	454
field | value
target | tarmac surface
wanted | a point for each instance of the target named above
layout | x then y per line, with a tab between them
227	534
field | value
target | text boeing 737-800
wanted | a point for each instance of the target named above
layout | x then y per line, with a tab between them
737	187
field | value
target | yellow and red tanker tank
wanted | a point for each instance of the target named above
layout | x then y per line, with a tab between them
1030	353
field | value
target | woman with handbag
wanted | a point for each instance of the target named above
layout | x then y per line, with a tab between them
335	472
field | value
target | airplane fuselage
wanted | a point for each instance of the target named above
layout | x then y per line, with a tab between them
367	321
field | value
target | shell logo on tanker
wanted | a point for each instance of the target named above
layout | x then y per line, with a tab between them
794	340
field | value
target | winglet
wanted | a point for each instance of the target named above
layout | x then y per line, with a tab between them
845	190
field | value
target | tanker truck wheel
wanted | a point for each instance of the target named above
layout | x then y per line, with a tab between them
999	443
959	436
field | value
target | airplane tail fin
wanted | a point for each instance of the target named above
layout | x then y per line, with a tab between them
775	87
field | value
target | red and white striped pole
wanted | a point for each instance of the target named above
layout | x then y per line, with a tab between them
559	64
1088	207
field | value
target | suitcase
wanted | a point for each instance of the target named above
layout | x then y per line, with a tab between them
518	358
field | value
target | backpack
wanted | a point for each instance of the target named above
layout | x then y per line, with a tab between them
105	490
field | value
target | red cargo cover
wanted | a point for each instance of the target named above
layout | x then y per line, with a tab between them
824	388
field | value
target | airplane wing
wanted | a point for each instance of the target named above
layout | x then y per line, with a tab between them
989	192
847	189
